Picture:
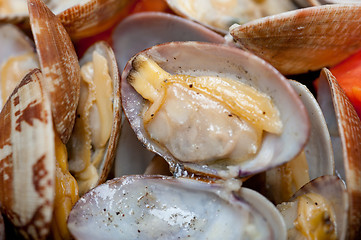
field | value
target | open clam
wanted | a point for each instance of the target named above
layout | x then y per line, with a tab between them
204	72
94	140
344	125
141	31
18	57
318	210
303	40
158	207
315	161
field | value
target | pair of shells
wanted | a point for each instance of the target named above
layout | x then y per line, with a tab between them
41	107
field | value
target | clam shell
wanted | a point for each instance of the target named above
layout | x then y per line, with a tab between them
158	207
217	60
305	39
219	15
27	161
333	190
14	42
105	50
143	30
349	132
59	65
132	35
93	16
318	149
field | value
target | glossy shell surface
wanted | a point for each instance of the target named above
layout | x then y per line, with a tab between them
159	207
303	40
59	65
211	59
27	161
342	113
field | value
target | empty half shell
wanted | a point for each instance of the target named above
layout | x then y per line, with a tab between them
198	125
158	207
305	39
344	125
27	172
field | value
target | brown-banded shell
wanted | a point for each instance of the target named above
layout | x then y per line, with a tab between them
81	18
141	31
305	39
159	207
14	43
332	189
220	15
59	65
223	61
107	158
28	172
93	16
344	125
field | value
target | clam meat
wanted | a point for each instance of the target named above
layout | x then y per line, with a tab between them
222	119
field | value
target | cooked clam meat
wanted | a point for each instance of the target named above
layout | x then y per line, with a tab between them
13	6
314	217
14	69
319	210
203	119
93	124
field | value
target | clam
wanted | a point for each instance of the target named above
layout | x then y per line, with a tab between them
141	31
81	18
27	187
315	161
94	140
207	76
303	40
59	65
219	15
318	210
18	57
159	207
344	125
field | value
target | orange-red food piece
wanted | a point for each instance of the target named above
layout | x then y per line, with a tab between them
348	75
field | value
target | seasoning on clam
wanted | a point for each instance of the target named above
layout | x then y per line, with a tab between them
159	207
190	115
318	210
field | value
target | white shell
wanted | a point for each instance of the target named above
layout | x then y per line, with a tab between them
230	62
155	207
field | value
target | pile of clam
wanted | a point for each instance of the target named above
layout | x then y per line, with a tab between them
191	115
